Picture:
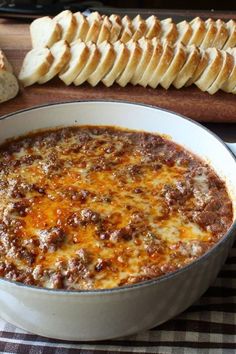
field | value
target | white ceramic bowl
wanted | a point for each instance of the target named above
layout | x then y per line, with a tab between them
104	314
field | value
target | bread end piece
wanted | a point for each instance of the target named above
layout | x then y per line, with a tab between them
9	86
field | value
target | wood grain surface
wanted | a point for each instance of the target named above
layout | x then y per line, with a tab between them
15	41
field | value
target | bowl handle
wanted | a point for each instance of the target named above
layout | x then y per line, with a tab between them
232	147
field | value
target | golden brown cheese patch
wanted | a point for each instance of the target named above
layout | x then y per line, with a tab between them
92	208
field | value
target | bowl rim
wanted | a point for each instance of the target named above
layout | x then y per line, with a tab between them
145	283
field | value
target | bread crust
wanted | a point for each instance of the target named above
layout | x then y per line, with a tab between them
35	65
134	57
155	59
68	24
82	26
79	55
162	66
122	57
212	69
230	83
231	27
44	32
175	66
192	61
62	55
103	66
147	51
185	32
226	69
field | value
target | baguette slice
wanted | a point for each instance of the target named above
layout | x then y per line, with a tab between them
79	55
188	68
135	53
116	28
94	21
231	27
175	66
4	63
212	69
210	34
147	51
153	27
221	35
44	32
36	64
139	27
61	54
226	69
90	66
8	86
203	62
104	65
121	60
162	65
185	32
169	30
127	32
105	31
199	30
153	63
82	26
230	84
68	25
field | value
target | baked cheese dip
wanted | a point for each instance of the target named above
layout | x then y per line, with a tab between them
101	207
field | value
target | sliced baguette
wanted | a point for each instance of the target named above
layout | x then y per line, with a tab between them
153	27
44	32
135	53
4	63
121	60
231	27
175	66
210	34
94	21
212	69
162	65
8	86
116	28
82	26
139	27
105	30
199	30
185	32
104	65
226	69
127	29
188	68
230	83
90	66
36	64
204	59
147	50
169	30
221	36
68	25
79	56
153	63
62	55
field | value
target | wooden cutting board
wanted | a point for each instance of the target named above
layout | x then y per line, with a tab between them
191	102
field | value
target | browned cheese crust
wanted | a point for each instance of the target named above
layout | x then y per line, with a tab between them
96	208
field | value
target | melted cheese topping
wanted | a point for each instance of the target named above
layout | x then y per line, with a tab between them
89	208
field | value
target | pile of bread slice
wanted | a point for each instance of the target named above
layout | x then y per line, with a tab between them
8	82
149	52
